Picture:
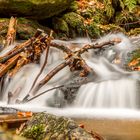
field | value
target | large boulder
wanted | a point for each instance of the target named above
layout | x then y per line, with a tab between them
44	126
36	9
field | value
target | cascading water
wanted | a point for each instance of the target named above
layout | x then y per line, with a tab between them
113	87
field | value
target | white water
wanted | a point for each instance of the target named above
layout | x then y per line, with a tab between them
112	88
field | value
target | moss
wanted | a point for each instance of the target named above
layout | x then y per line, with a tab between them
99	17
88	13
75	23
35	132
49	127
110	11
73	6
111	28
124	17
93	30
60	27
36	9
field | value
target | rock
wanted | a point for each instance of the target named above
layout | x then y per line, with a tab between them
44	126
75	23
69	25
25	28
35	9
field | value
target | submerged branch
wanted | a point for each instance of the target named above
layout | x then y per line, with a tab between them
51	74
47	43
58	87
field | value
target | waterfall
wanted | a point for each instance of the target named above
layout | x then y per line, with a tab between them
114	87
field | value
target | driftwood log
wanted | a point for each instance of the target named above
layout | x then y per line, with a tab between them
11	34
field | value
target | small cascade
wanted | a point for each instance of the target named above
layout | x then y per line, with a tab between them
108	94
113	86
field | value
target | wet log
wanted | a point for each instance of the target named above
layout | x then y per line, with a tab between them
21	47
11	34
9	64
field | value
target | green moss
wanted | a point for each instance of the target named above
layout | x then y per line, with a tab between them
99	17
73	6
124	17
88	13
75	23
36	9
35	132
93	30
60	27
49	127
110	11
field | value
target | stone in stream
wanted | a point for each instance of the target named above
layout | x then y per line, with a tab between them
44	126
35	9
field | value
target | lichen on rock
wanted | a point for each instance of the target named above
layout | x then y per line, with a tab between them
44	126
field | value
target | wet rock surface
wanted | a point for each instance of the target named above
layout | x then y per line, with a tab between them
44	126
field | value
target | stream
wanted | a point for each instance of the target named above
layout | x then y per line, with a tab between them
113	95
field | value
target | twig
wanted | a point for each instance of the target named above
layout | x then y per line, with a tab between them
96	46
45	61
51	74
61	47
25	101
47	78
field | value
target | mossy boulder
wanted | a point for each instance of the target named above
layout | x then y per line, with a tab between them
25	28
36	9
44	126
69	25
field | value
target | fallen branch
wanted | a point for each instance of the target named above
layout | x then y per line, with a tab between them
19	48
9	64
45	61
28	100
74	60
11	34
51	74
